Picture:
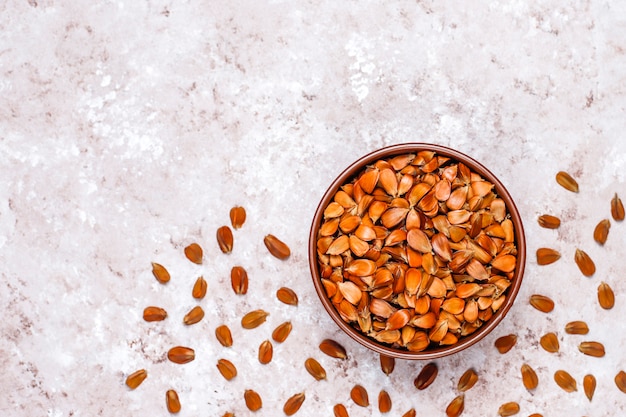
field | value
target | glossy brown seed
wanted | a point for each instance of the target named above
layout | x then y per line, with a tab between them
253	400
620	381
359	395
314	368
617	208
229	415
287	296
224	336
529	377
508	409
564	380
136	378
467	380
456	406
595	349
227	369
548	221
225	239
154	314
266	351
181	354
254	319
542	303
606	297
276	247
505	343
340	410
585	263
160	273
589	385
566	181
601	231
237	216
384	402
426	376
576	327
239	280
281	332
194	316
172	402
199	288
193	252
293	404
546	256
387	364
333	349
549	342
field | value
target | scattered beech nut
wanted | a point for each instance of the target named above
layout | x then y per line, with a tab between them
227	369
384	402
314	368
194	316
266	352
456	406
253	400
239	280
529	377
549	342
589	386
505	343
595	349
467	380
225	239
584	262
237	217
564	380
254	319
426	376
566	181
136	378
548	221
193	252
576	327
276	247
154	314
172	402
287	296
181	354
359	395
601	231
339	410
546	256
281	332
160	273
387	364
542	303
224	336
199	288
293	404
508	409
333	349
606	297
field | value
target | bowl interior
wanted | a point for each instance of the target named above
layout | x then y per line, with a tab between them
431	352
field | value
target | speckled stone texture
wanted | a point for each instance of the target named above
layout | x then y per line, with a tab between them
129	128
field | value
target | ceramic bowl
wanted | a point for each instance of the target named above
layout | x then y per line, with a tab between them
434	350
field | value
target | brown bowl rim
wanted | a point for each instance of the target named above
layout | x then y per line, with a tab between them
464	343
